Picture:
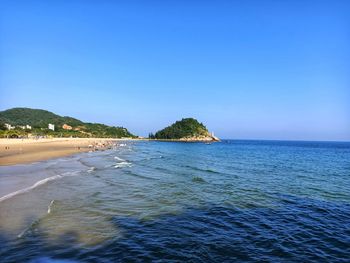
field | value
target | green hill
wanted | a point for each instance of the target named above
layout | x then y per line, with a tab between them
39	120
35	117
186	129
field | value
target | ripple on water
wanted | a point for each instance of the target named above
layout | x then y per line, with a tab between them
198	179
236	201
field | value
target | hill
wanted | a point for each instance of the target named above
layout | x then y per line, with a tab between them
187	129
39	120
35	117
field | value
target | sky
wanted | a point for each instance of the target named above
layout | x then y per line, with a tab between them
268	69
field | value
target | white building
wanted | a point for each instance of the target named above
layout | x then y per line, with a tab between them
51	126
25	127
9	127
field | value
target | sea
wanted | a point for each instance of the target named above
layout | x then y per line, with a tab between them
231	201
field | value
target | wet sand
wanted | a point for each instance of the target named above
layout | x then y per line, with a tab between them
17	151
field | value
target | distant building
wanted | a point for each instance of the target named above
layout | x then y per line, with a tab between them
25	127
51	127
9	126
66	127
79	128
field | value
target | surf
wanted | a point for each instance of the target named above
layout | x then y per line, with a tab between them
37	184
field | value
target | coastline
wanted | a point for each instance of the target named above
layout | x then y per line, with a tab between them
20	151
185	140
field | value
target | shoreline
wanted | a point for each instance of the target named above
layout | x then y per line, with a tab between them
184	140
22	151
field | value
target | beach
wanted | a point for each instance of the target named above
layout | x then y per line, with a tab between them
17	151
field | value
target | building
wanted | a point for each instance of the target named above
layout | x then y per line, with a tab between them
79	128
66	127
25	127
51	127
9	126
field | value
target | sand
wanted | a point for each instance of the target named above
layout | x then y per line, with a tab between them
18	151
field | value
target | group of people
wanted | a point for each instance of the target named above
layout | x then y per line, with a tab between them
102	145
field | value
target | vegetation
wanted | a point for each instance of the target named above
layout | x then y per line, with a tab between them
35	117
188	127
2	126
39	120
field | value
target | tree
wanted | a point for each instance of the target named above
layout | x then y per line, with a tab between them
2	126
188	127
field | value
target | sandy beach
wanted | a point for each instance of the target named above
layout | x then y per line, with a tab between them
16	151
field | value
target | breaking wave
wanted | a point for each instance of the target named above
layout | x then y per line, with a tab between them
50	206
119	159
37	184
90	170
123	164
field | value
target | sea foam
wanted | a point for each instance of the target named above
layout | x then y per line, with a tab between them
50	206
37	184
122	164
119	159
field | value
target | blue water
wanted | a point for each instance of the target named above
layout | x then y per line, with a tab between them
249	201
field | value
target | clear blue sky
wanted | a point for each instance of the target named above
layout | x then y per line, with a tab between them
247	69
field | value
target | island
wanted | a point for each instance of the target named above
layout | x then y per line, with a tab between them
185	130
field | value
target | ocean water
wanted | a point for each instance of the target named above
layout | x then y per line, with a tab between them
246	201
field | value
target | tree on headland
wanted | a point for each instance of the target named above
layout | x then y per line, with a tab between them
187	127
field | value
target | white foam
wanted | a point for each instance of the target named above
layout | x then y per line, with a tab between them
90	170
119	159
37	184
49	207
28	228
122	164
22	233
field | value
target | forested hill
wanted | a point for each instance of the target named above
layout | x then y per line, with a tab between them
35	117
187	129
39	120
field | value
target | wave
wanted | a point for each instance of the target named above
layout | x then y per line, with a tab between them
119	159
140	176
33	224
90	170
50	206
198	179
201	169
37	184
155	157
123	164
51	260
